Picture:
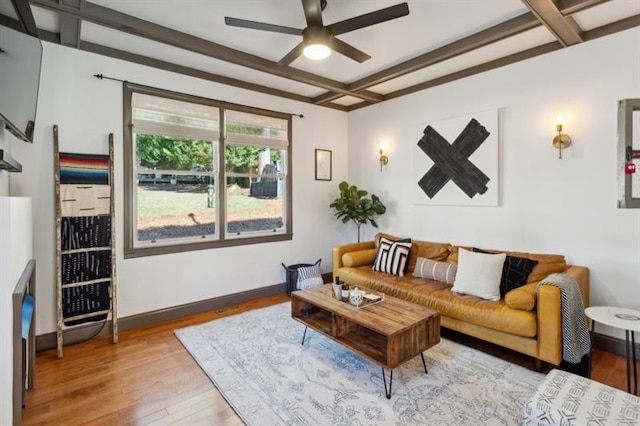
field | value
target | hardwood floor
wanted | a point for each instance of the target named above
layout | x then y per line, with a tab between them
148	378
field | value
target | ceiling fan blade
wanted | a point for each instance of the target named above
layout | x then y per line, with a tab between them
243	23
292	55
348	50
369	19
313	12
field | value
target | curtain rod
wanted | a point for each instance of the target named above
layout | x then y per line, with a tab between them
104	77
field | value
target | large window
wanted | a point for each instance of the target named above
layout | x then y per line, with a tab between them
201	173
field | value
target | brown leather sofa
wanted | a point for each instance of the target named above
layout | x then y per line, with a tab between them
527	319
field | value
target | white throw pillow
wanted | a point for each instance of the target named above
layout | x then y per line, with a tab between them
479	274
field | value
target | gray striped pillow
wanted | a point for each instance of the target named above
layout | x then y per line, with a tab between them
392	256
439	271
309	277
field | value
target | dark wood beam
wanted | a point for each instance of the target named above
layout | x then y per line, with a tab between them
612	28
14	24
70	25
569	7
192	72
602	31
566	7
25	15
496	33
477	69
122	22
564	29
52	37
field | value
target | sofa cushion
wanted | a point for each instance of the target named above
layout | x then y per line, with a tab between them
392	256
479	274
523	298
452	257
515	272
359	257
547	263
437	295
426	249
439	271
380	235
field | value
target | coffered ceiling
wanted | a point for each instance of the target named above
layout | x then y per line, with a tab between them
439	41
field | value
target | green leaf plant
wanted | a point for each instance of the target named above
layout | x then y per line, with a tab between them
353	206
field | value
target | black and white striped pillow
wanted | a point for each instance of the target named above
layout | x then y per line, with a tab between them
309	277
392	256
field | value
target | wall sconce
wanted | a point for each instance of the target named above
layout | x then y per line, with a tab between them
383	159
561	141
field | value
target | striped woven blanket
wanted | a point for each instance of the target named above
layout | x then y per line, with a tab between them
575	333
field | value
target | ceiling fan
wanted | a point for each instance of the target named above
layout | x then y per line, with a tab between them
319	40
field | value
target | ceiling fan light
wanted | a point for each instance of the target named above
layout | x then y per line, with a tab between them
316	51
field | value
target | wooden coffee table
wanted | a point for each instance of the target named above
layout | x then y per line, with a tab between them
388	333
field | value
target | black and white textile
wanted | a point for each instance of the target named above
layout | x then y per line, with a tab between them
566	399
81	232
392	256
309	276
575	333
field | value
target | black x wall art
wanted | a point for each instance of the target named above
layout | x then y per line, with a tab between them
456	161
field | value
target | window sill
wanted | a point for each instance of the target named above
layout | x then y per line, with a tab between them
157	250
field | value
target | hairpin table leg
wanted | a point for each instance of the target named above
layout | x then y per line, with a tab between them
384	380
304	335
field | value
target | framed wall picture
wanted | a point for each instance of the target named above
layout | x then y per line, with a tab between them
455	161
323	164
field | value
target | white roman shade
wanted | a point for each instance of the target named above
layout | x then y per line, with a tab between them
244	128
154	115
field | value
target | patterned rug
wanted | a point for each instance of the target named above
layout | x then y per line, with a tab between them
257	362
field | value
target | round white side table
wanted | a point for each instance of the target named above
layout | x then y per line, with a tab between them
621	318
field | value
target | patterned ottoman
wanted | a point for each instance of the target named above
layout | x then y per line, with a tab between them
566	399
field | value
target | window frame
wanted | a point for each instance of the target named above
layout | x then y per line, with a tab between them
130	186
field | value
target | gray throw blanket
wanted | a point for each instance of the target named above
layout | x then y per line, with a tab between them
575	333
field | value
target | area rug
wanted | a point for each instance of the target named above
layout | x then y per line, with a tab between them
257	362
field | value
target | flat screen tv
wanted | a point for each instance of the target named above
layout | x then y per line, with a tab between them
20	60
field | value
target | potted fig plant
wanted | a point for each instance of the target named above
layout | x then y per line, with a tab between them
353	206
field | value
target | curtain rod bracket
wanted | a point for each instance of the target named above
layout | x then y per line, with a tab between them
102	77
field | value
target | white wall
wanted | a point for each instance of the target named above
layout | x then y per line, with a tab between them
87	110
15	252
546	205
